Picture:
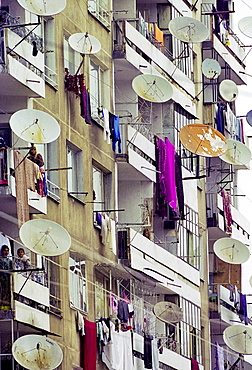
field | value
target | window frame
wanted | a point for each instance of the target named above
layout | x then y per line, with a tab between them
75	181
77	283
96	84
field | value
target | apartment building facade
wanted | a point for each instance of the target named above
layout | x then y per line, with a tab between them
103	176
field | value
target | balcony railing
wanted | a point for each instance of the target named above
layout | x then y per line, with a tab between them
7	21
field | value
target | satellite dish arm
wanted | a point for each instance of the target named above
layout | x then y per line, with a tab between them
233	367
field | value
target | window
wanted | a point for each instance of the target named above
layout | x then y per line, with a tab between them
51	163
101	189
53	276
101	297
96	88
188	244
49	52
71	58
46	32
75	173
101	10
190	330
77	283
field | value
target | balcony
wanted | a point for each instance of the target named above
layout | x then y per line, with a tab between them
133	54
21	73
31	303
144	255
8	202
137	160
224	46
216	223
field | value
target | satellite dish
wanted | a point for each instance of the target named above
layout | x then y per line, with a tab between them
239	338
236	153
153	88
250	281
211	68
34	126
36	352
245	26
249	117
231	251
84	43
45	237
43	7
228	90
168	312
188	29
202	140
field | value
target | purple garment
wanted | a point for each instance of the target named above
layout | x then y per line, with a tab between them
98	218
166	175
85	106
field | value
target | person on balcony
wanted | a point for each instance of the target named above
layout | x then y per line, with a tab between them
22	262
35	157
5	264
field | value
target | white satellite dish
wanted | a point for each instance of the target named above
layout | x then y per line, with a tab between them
231	251
168	312
188	29
84	43
249	117
153	88
202	140
43	7
45	237
37	352
237	153
228	90
239	338
245	26
34	126
250	281
211	68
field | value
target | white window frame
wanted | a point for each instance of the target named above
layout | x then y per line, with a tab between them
100	9
75	174
77	283
96	82
102	188
71	57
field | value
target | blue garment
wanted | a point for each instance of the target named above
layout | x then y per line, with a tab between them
243	314
114	125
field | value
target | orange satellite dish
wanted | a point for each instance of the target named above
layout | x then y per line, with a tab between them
202	140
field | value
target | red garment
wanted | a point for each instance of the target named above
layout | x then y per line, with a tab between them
90	346
194	364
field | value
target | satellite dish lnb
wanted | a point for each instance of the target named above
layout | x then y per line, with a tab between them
239	338
188	29
34	126
45	237
168	312
211	68
37	352
153	88
231	251
202	140
84	43
237	153
228	90
245	26
43	7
